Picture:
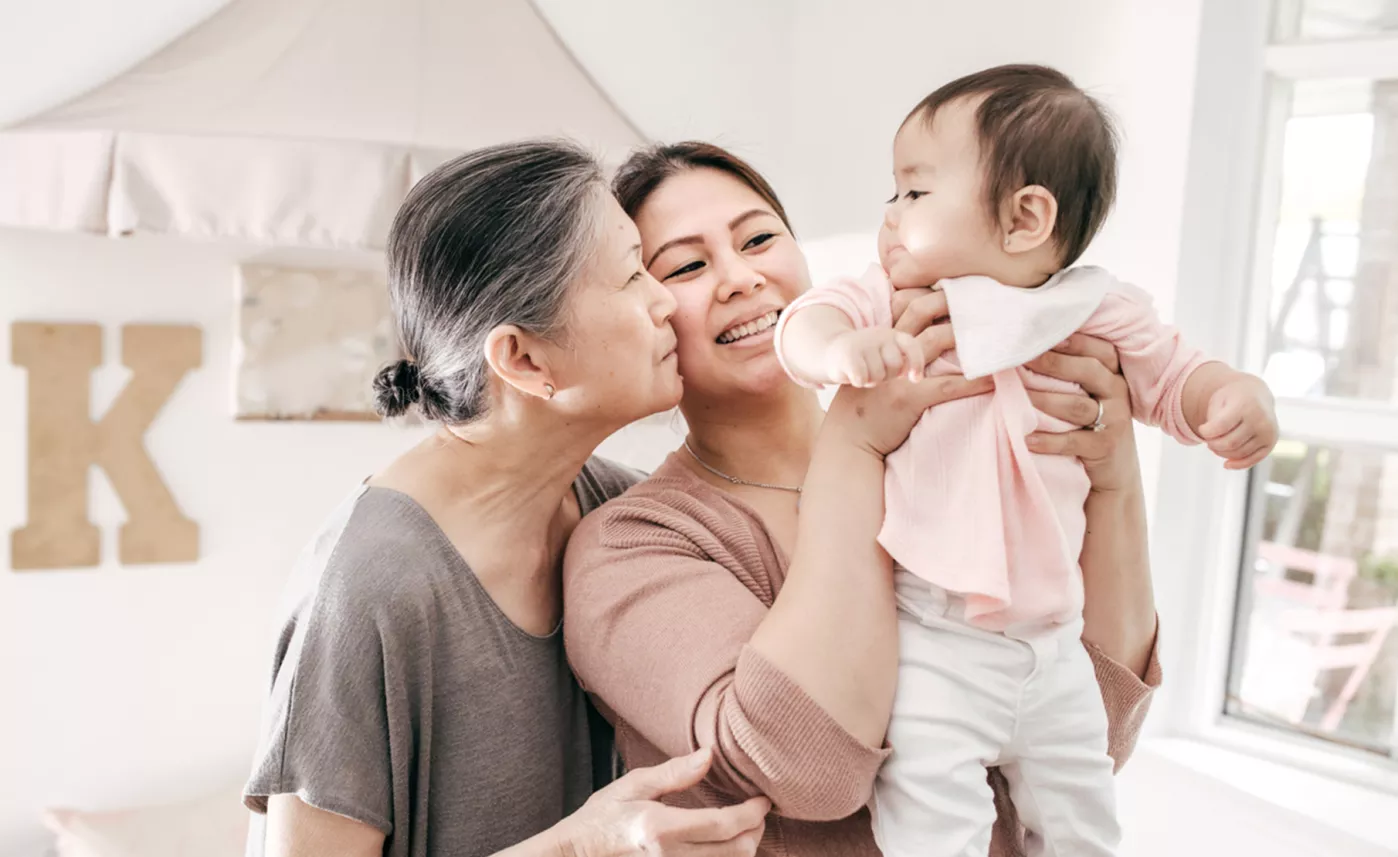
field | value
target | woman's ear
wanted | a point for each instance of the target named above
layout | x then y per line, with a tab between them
518	358
1029	219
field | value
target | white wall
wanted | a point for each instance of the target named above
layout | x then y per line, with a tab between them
144	683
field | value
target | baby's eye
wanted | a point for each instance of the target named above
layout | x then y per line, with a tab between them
913	195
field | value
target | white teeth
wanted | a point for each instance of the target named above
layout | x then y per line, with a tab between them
742	331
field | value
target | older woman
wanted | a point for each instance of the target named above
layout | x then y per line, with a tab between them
421	704
737	600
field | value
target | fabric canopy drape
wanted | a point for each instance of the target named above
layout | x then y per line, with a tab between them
299	122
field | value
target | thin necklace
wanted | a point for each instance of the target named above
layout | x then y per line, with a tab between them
735	480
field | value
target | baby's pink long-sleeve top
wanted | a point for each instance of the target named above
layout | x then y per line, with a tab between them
968	507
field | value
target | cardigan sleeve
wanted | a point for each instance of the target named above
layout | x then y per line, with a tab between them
1127	698
657	629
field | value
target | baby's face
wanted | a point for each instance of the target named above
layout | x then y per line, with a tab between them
937	225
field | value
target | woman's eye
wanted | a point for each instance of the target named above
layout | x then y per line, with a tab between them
759	239
686	269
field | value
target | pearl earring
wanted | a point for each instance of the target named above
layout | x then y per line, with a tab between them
549	391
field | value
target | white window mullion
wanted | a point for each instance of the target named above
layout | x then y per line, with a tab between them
1340	422
1375	57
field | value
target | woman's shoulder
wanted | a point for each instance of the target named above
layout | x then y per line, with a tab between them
378	552
602	480
671	507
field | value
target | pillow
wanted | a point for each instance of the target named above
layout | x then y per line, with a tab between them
212	826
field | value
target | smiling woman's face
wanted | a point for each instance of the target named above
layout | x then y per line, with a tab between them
732	266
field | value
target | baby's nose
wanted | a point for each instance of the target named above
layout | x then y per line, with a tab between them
890	217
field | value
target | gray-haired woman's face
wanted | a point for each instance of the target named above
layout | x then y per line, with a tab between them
617	357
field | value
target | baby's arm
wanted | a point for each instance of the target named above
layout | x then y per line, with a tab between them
1233	412
821	345
1174	386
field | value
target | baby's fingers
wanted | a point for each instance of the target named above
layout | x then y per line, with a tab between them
1221	421
1240	437
891	360
1254	454
850	370
911	351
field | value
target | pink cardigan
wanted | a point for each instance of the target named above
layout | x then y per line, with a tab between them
663	587
968	506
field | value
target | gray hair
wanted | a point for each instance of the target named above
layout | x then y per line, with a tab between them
495	236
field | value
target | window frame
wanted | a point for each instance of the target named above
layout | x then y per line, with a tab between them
1200	540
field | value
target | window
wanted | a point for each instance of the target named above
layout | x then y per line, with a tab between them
1335	19
1315	623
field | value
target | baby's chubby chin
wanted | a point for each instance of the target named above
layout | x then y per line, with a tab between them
904	272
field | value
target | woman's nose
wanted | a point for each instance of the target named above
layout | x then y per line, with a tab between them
737	278
663	305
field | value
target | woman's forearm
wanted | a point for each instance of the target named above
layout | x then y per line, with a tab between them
833	628
1119	613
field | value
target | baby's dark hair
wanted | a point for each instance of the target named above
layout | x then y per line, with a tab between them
1036	127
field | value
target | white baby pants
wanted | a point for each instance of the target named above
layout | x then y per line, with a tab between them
969	699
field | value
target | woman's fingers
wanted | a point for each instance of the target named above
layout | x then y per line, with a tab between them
904	298
1087	445
1072	408
744	845
719	824
944	388
1082	345
676	775
732	831
921	312
935	341
1087	372
913	360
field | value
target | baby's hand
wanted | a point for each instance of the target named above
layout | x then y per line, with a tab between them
865	358
1240	424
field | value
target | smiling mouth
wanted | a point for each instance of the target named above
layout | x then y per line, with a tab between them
751	328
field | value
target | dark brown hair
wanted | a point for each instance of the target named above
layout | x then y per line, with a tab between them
647	168
1036	127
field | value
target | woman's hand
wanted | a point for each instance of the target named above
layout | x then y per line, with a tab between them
626	818
879	419
923	314
1108	455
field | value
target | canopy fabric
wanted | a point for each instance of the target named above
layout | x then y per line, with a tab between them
299	122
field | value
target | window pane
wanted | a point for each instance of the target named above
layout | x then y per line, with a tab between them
1338	19
1316	635
1333	319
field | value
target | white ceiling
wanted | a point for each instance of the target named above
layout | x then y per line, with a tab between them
53	50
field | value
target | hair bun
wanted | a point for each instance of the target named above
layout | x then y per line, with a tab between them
396	388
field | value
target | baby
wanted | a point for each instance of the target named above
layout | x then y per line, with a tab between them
1003	178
